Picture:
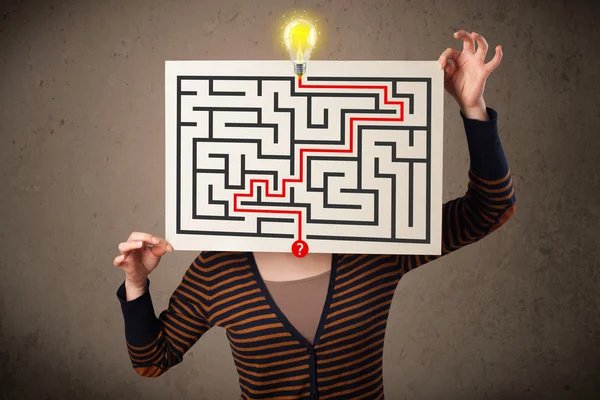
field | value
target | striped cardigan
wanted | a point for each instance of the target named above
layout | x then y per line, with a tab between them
273	360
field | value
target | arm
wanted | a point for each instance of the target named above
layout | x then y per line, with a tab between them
157	344
490	198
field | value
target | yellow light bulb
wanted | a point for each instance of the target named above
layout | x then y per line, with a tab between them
300	36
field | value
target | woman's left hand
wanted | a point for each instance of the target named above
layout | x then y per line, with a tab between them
465	77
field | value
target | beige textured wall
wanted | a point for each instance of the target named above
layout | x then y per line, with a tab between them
515	316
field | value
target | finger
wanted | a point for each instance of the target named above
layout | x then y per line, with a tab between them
130	245
448	54
468	43
449	70
482	45
151	239
158	251
141	236
118	261
492	65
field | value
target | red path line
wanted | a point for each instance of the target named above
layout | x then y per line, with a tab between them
254	182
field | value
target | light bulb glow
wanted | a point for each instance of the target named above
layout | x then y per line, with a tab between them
300	37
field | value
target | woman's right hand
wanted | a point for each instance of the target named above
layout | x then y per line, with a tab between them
140	254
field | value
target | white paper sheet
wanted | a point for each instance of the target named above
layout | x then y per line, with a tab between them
349	160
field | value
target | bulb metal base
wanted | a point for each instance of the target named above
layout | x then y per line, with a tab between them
300	69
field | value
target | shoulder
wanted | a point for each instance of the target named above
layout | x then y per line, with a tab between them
216	259
212	258
211	267
357	260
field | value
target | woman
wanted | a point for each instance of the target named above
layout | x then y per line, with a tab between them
313	327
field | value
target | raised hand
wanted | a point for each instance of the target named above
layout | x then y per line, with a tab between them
465	73
140	254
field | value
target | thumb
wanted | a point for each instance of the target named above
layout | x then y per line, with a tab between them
156	251
448	71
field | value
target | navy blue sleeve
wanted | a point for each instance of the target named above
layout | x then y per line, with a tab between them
141	324
489	200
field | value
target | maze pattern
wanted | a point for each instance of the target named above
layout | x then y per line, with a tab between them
329	159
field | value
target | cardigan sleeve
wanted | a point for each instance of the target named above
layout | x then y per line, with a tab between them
489	201
156	344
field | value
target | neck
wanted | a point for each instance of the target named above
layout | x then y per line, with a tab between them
279	267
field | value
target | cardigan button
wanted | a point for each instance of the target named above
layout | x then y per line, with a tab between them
313	395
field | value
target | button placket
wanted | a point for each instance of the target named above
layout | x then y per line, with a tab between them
313	368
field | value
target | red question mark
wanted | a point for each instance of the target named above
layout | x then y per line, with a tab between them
300	248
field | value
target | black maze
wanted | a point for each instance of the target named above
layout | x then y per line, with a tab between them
274	175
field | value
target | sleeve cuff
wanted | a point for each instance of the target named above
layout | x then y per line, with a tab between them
141	325
485	149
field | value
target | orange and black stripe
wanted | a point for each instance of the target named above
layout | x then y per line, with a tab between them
275	361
